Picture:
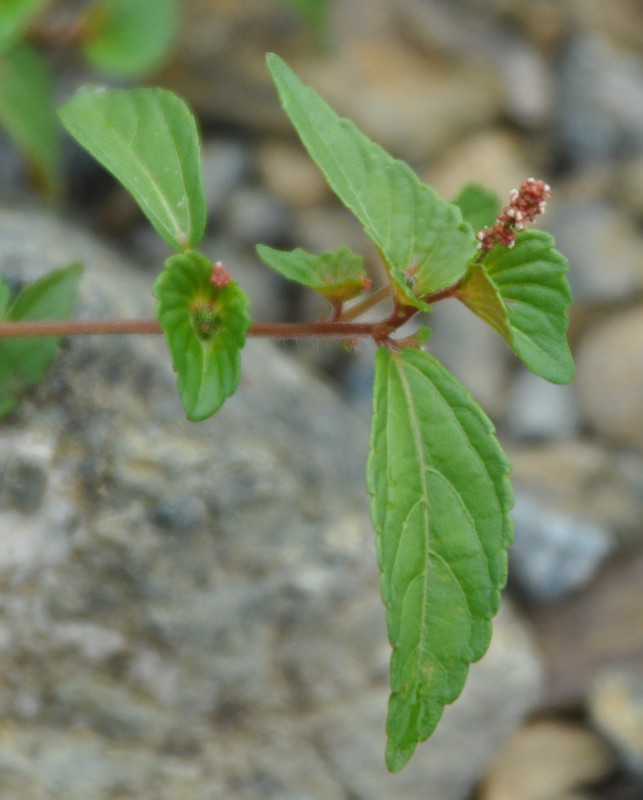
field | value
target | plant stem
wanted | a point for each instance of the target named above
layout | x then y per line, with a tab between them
367	302
276	330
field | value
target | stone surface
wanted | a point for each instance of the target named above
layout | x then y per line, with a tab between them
573	756
599	628
554	553
616	707
193	610
610	378
585	480
537	409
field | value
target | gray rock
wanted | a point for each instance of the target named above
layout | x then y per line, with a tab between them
593	234
554	553
610	378
193	610
537	409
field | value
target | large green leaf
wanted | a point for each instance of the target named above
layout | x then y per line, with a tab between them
148	139
129	37
15	15
27	111
523	293
205	328
339	275
23	362
440	507
422	238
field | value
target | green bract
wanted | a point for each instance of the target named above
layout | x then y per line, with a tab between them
23	362
205	328
441	500
422	238
338	275
149	140
27	111
523	293
129	37
478	205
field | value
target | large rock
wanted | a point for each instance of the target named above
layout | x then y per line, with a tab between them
192	610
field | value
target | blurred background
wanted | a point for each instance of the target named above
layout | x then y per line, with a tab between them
192	611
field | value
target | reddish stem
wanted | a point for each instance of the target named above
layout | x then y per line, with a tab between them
277	330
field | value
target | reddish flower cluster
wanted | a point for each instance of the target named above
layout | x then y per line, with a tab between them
220	276
526	204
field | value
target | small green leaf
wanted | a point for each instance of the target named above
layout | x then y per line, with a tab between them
339	275
440	507
479	206
129	37
15	15
23	362
423	240
524	294
148	139
27	111
205	328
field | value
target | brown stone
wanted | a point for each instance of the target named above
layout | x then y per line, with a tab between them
600	627
546	759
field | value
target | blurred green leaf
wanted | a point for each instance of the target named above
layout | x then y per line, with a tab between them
205	328
148	139
15	15
338	275
129	37
5	296
316	13
479	205
27	111
23	362
424	242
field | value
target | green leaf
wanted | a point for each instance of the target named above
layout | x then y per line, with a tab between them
479	206
440	507
148	139
205	328
524	294
339	275
15	15
129	37
422	238
316	13
5	296
27	111
23	362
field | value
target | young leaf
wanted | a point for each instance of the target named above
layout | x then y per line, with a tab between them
338	275
14	18
23	362
129	37
27	111
479	206
440	507
205	328
148	139
523	293
422	238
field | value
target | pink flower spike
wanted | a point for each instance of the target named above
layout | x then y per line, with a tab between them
220	276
